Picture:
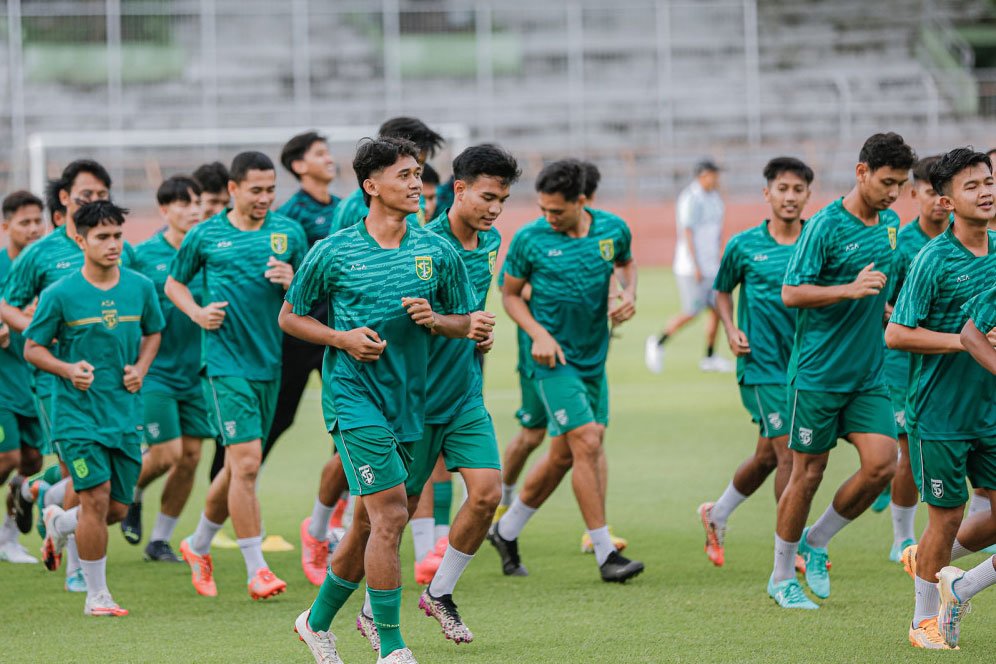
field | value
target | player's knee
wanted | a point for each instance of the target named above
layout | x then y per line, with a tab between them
532	438
585	443
389	518
766	458
882	471
189	458
116	512
485	499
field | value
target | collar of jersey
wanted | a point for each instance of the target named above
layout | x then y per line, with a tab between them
365	234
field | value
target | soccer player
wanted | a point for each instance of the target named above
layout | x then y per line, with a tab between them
951	415
760	339
930	223
175	410
430	184
213	180
105	321
390	285
568	257
837	278
56	208
22	441
246	257
696	261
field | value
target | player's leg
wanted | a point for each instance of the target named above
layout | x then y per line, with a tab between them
176	490
442	504
903	502
317	538
158	459
692	304
91	541
532	418
299	360
423	524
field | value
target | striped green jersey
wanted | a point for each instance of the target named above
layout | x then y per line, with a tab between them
15	388
104	328
755	262
231	264
950	396
838	348
314	216
353	209
982	310
176	369
364	284
456	383
570	284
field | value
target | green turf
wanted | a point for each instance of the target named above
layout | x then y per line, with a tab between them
673	442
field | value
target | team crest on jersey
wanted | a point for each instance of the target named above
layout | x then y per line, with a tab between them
423	267
366	474
607	248
492	261
937	488
806	437
110	318
892	237
82	470
278	242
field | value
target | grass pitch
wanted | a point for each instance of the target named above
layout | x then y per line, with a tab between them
673	442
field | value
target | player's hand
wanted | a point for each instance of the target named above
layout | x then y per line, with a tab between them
698	274
868	282
81	375
547	351
482	325
486	345
279	272
133	378
991	335
363	344
211	316
739	345
624	307
4	335
29	310
420	311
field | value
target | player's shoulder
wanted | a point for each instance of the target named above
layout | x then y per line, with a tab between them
39	247
910	231
748	236
297	199
609	220
150	246
134	279
490	239
281	222
536	228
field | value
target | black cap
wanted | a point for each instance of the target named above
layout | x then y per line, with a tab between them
706	165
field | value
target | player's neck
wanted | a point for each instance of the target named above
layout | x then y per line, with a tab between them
317	190
174	237
102	277
244	222
12	251
855	204
582	227
386	226
466	234
784	232
932	228
70	227
974	236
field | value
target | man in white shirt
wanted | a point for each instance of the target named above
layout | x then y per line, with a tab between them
696	262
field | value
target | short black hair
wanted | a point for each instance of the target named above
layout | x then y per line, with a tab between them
592	177
52	200
953	163
177	188
921	169
73	170
15	201
429	174
889	149
414	130
780	165
565	177
295	148
249	161
212	177
95	213
376	154
486	159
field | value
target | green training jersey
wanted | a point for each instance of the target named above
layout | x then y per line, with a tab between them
314	216
456	382
364	284
838	348
15	388
950	396
176	369
982	310
570	285
104	328
232	263
524	344
755	262
353	209
909	242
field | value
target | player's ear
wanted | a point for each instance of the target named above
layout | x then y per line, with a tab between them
299	167
233	187
861	171
767	194
459	186
370	187
946	202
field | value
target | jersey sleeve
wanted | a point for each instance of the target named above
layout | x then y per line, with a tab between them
517	263
21	285
189	259
917	294
808	257
731	272
47	320
687	212
624	253
300	248
152	313
456	292
982	310
312	280
129	257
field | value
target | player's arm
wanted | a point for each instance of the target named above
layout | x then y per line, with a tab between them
80	373
869	282
545	349
452	326
687	213
209	317
921	340
362	343
134	374
739	344
623	301
14	317
979	346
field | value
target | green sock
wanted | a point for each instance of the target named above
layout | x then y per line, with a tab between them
386	605
442	501
52	474
331	596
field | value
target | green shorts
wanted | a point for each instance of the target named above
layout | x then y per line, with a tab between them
17	430
372	458
531	415
941	466
767	407
167	417
898	398
820	418
468	441
571	401
92	463
243	409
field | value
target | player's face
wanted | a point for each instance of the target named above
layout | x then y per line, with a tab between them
931	210
213	202
253	197
182	215
317	163
102	244
787	195
482	201
880	188
709	180
430	198
398	186
86	188
561	214
972	194
24	226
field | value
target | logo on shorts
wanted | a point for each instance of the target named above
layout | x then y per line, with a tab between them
153	429
82	470
775	420
892	237
607	249
937	488
901	419
526	419
561	417
423	267
110	318
230	428
367	475
278	242
492	261
805	436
